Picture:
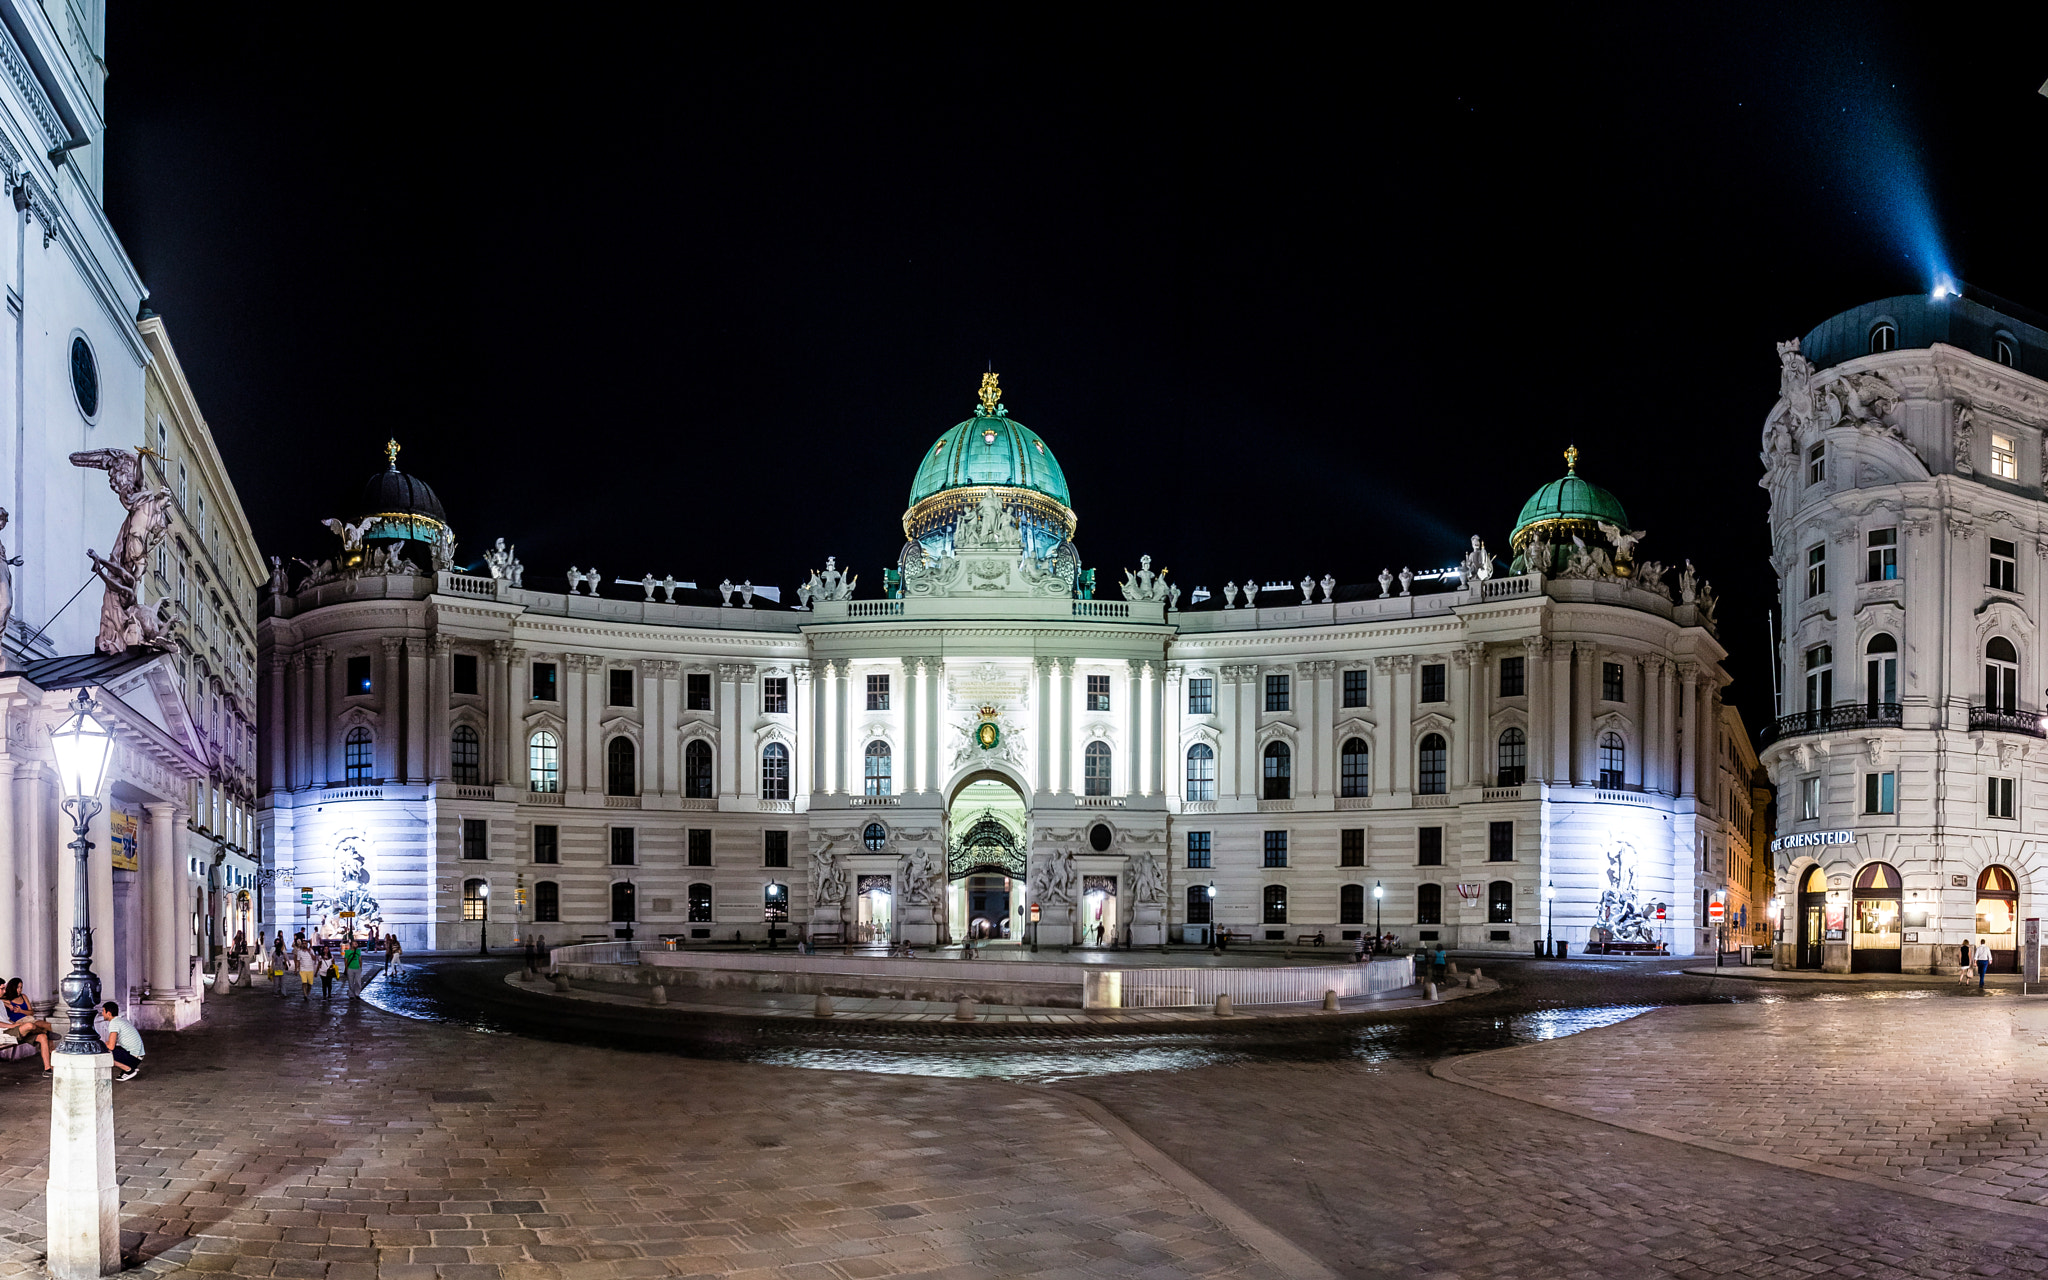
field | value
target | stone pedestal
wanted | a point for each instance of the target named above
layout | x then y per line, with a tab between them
1834	957
84	1222
827	919
1148	925
1055	925
917	925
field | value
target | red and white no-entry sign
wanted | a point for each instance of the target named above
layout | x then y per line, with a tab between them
1716	911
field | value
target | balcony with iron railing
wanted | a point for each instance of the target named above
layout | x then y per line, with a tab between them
2006	720
1843	717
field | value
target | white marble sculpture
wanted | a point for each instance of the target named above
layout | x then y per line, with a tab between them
1386	583
1329	586
1407	578
828	878
1230	595
351	536
924	880
1251	593
1144	584
1308	589
725	590
1477	566
1057	878
1687	591
1623	541
1148	883
124	623
579	578
503	563
747	592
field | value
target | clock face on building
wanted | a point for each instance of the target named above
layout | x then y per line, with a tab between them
987	735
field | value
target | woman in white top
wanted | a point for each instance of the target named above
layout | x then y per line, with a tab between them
302	957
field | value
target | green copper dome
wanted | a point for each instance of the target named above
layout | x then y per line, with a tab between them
990	448
1568	501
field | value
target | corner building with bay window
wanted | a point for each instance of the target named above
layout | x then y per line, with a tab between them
448	752
1904	460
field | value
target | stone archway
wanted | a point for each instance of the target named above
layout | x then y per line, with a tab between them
988	843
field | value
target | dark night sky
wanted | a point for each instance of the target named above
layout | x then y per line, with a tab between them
1285	297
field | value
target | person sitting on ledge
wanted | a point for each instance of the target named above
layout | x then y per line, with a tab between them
20	1021
123	1041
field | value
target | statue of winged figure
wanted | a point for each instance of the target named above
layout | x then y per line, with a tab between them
351	536
1624	541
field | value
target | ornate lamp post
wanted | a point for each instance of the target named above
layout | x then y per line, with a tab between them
1377	933
1549	929
84	1216
483	926
1212	919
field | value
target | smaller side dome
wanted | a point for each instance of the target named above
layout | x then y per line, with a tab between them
402	506
1566	506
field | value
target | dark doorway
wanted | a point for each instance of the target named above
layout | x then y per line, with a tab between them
1813	908
988	906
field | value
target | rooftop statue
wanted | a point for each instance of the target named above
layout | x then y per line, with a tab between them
1687	593
1386	583
579	578
351	536
1308	589
1144	584
1407	579
1230	595
503	562
1329	586
1624	544
1477	566
443	551
1251	593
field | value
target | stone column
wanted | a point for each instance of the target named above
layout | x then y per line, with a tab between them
1133	722
749	712
653	739
728	729
273	763
1382	764
162	874
1561	756
845	770
821	719
1157	746
1246	690
1401	711
592	681
325	749
1689	749
100	885
504	720
800	759
1042	748
1460	754
1535	687
41	934
1667	725
299	771
440	692
1637	701
418	758
934	701
15	855
390	701
1174	706
1070	717
1324	736
910	676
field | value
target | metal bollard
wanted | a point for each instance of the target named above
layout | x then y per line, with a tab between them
823	1008
1429	991
1329	1002
963	1010
657	994
561	982
1223	1006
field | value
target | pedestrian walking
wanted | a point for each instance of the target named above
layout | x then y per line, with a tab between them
1983	960
326	979
352	966
1437	965
302	960
278	961
391	949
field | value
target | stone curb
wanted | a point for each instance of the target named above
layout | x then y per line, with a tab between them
1883	979
1448	1069
1125	1022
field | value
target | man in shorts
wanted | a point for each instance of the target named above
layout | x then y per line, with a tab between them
123	1041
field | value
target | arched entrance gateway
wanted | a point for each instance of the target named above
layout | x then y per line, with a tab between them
1874	942
1813	907
987	833
1998	909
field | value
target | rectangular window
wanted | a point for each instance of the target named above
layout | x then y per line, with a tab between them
543	682
1276	693
700	905
1511	678
1816	570
1357	686
476	839
621	693
1429	846
465	673
878	693
1432	682
1817	464
358	682
1809	799
2004	565
1500	842
547	843
1198	850
1098	693
700	847
2001	797
775	848
2005	463
1351	847
1201	696
1276	849
1611	686
622	846
547	902
698	687
1883	555
775	695
1877	792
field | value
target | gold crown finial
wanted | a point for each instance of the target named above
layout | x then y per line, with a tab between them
991	392
391	451
1571	460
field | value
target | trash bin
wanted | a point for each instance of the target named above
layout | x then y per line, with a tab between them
1539	949
1563	949
1748	955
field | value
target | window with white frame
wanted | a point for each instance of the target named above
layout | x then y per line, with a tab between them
1820	677
1883	555
1878	792
878	769
1095	768
1816	569
2005	462
2004	567
1880	673
2001	675
1201	696
878	693
1613	760
1817	463
2000	795
1809	799
1201	772
1355	769
1098	693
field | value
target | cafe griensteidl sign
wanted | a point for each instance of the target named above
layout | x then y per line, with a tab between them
1812	839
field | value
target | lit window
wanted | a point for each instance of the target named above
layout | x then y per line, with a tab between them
878	767
700	904
1809	799
1201	772
1883	555
473	899
1095	767
543	762
2005	463
1275	904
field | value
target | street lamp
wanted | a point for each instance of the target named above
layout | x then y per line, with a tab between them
483	926
1549	927
84	1201
1212	918
1377	933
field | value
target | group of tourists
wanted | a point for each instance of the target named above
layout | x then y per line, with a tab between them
19	1025
327	959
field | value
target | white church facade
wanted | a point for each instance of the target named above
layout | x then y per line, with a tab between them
988	745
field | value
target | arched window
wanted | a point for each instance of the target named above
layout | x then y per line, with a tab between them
622	902
547	902
620	777
1355	768
2001	675
1095	769
697	770
1201	772
1351	904
2002	350
474	896
1880	675
1613	760
1279	772
878	766
775	772
1429	904
1500	902
543	762
1273	902
1883	337
1198	904
700	904
357	755
1430	779
465	756
1513	756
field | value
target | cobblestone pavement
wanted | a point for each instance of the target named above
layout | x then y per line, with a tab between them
345	1143
1381	1169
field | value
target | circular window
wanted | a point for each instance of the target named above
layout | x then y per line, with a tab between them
85	377
874	837
1099	837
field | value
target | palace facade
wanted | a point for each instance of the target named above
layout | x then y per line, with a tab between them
989	744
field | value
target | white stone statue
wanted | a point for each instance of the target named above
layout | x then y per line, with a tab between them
1308	589
1477	566
834	583
668	588
1687	593
1329	586
924	881
1057	878
1172	599
1965	440
503	563
578	579
1538	557
1386	583
443	553
1144	584
988	525
7	584
1230	595
1148	884
124	623
351	536
1795	380
1623	541
648	582
1649	574
725	590
807	591
828	878
1407	579
1707	604
280	582
1251	593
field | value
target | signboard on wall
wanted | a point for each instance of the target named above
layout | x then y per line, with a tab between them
126	834
2030	954
1837	925
1812	839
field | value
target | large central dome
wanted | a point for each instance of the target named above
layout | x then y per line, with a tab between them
990	448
